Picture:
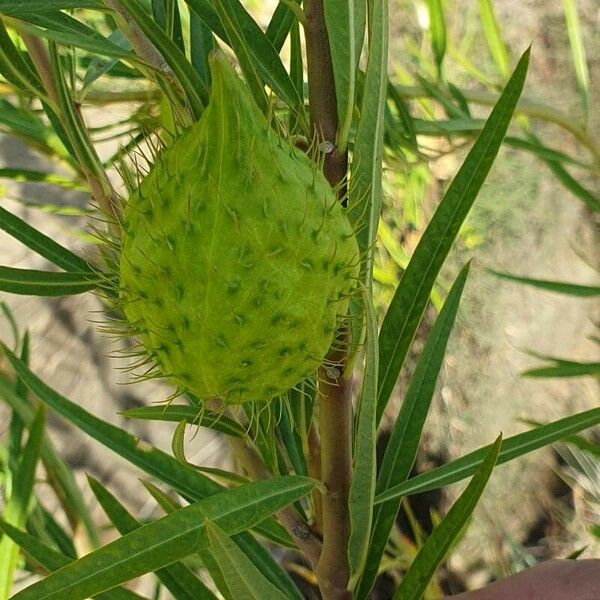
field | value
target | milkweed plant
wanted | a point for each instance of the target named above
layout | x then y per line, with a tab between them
235	240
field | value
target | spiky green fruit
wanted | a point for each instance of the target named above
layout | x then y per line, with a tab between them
237	260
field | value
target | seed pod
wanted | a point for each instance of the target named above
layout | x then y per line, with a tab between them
237	260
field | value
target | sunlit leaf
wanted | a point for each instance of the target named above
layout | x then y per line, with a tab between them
578	52
17	506
493	38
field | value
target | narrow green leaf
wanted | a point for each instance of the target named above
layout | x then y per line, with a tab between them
43	245
52	560
61	134
576	553
437	31
10	317
74	127
565	368
405	119
493	38
167	540
259	555
166	14
403	444
191	83
16	69
568	181
17	506
437	545
543	152
228	17
64	29
578	52
28	126
202	43
460	98
163	542
59	475
262	53
406	309
178	442
177	578
183	478
45	283
290	438
162	499
362	489
100	66
22	9
366	188
192	414
345	20
296	74
28	176
17	425
56	533
262	426
280	25
512	448
453	111
560	287
243	580
208	15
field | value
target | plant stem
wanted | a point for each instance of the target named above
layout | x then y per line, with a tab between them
313	452
296	526
335	418
321	91
39	57
335	398
98	182
142	45
148	52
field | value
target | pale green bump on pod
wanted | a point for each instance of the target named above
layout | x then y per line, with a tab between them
237	260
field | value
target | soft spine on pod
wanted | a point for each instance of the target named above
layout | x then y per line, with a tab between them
237	260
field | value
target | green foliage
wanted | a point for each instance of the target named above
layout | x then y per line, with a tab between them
406	309
233	201
433	552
